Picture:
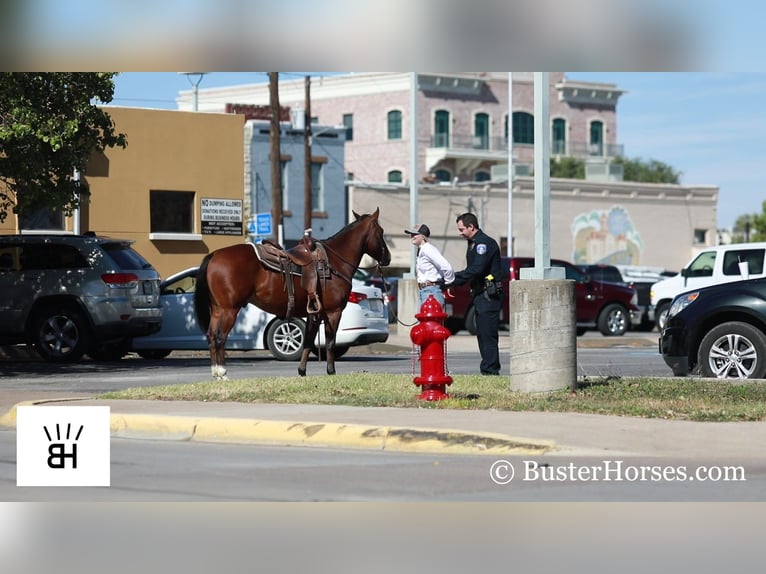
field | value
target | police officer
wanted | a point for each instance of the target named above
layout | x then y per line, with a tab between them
483	272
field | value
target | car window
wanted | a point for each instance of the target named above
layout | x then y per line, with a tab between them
44	256
571	272
703	265
9	259
181	285
753	258
125	257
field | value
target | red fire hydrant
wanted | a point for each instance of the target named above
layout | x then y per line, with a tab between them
430	334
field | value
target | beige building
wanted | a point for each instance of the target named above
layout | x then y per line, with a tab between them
176	190
615	222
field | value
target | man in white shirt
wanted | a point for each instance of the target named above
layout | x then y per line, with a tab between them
434	272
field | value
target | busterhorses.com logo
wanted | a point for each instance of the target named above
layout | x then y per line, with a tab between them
62	446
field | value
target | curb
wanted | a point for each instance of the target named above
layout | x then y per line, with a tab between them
291	433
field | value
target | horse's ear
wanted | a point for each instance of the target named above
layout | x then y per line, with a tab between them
357	217
377	212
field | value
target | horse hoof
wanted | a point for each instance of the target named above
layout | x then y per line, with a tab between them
330	371
302	372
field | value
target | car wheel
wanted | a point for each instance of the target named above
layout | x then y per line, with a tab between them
454	324
662	315
60	335
733	351
285	339
154	353
110	351
581	331
613	320
470	320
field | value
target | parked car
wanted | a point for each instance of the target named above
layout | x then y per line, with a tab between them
712	266
389	287
608	307
67	295
718	331
364	321
642	285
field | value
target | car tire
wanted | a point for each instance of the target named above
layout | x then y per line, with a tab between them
581	331
454	325
285	339
733	350
470	320
60	334
154	354
613	320
661	315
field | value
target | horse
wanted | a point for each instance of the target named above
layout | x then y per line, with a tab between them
231	277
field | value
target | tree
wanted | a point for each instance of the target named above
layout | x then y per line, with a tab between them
758	229
652	171
744	229
49	127
568	168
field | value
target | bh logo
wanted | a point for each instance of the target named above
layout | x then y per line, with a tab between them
62	446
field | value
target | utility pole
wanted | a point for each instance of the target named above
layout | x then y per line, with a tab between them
307	159
275	157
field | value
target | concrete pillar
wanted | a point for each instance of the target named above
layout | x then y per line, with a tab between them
407	304
543	335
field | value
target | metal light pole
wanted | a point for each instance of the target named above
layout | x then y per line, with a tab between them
195	78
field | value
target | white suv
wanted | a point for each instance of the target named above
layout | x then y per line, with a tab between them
712	266
67	295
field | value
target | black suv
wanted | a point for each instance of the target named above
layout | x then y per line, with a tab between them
718	331
67	295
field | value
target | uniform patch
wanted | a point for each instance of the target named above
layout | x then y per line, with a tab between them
481	248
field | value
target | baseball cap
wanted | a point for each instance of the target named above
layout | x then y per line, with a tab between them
421	229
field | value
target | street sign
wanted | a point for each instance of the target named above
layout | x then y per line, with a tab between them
263	224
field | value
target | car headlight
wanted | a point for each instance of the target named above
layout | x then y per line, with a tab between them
682	302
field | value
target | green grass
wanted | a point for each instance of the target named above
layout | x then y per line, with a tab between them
678	398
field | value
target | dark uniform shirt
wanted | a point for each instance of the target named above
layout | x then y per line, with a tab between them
482	259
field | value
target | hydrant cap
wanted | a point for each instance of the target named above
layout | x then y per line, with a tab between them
431	309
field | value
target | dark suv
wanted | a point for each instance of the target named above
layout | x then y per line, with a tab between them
608	307
67	295
718	331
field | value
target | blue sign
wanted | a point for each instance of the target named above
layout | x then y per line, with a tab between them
263	223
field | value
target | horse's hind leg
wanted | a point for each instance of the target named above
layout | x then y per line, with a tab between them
312	327
221	323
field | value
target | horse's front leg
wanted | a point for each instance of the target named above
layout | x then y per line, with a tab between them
312	327
330	329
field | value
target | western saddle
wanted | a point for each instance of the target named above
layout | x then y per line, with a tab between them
308	260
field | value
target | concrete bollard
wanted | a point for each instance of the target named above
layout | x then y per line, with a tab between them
543	335
408	304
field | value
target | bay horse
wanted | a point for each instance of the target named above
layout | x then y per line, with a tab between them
231	277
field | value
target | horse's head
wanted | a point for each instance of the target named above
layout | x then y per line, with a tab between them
375	245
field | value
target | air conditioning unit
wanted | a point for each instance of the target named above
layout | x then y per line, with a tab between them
499	172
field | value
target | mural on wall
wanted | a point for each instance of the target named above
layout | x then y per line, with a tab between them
606	236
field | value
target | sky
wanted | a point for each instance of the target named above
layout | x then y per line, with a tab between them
709	126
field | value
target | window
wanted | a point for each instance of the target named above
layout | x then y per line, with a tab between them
481	131
395	125
700	235
482	176
395	176
441	128
559	137
317	195
171	211
40	256
523	128
348	123
596	138
443	175
753	258
42	219
505	130
702	266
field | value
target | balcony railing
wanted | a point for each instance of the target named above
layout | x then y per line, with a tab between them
572	148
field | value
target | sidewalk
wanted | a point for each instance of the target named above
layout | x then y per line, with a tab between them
419	429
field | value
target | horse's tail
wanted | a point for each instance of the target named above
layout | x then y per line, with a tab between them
202	295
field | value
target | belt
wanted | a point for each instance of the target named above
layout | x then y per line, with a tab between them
427	284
